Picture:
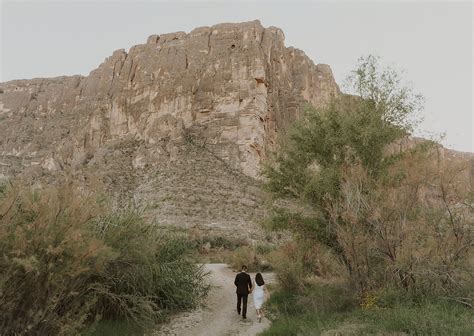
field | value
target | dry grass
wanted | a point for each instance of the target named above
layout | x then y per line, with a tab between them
414	230
67	261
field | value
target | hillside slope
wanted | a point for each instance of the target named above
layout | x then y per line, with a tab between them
180	123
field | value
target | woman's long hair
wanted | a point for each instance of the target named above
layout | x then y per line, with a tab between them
259	279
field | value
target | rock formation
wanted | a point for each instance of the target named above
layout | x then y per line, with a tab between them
235	85
181	122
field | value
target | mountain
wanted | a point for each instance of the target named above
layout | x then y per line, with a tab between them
180	123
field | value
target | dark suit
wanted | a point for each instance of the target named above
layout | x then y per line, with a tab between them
244	285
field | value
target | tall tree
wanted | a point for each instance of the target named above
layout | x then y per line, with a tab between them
354	129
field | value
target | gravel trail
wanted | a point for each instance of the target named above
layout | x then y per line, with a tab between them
219	316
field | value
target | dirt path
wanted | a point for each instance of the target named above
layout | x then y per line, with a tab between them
219	317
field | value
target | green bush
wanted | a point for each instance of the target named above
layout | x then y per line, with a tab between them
297	262
429	317
3	188
254	257
390	209
288	265
312	311
348	176
67	262
208	242
245	255
331	309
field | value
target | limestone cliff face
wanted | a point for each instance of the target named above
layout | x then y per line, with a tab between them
180	123
233	86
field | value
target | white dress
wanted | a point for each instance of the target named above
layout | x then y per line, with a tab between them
258	296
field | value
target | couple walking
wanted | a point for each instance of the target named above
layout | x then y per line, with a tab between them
243	282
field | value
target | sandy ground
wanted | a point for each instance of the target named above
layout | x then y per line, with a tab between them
219	316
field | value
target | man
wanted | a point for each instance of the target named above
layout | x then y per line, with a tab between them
244	287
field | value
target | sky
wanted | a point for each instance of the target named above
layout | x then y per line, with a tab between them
431	42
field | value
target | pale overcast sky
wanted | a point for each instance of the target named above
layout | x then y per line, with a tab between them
431	41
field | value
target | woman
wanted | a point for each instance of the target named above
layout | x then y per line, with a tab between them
260	293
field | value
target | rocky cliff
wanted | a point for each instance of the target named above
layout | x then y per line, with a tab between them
181	122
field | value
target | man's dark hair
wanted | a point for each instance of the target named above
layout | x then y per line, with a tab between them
259	279
244	268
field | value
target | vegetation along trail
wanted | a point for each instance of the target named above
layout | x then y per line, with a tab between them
219	316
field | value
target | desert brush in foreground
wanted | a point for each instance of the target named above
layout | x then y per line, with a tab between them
386	221
68	262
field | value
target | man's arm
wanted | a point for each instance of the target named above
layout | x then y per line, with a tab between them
235	281
250	282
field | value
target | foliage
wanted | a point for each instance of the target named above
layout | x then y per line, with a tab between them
215	242
413	229
66	262
349	130
113	328
385	89
255	258
331	309
3	188
391	210
293	263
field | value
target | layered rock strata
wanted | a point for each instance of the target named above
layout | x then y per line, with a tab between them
234	85
180	123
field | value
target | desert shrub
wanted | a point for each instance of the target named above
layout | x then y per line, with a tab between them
245	255
389	208
209	248
113	328
46	260
415	231
397	215
420	317
256	258
264	249
300	262
333	309
289	264
312	311
3	187
328	298
205	243
66	262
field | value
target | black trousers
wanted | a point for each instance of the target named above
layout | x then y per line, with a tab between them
240	298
